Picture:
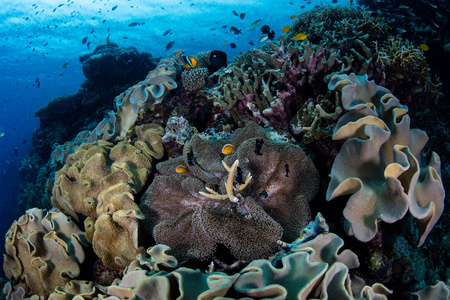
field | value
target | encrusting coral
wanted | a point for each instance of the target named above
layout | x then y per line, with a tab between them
381	164
194	79
238	199
43	250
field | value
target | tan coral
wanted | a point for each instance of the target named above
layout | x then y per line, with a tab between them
379	164
43	250
100	182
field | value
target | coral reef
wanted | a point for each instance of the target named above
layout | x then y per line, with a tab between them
380	163
194	79
43	250
146	93
204	188
99	183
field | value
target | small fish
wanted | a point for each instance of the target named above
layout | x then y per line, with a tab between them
286	167
189	61
264	193
65	65
227	149
399	75
170	45
235	13
285	29
105	21
317	23
15	151
92	31
24	142
234	30
133	24
233	45
254	24
182	169
265	29
258	146
190	158
38	84
263	38
300	36
417	89
88	44
2	133
293	17
424	47
37	79
223	43
224	26
242	16
251	43
61	5
84	40
350	1
167	32
54	10
238	175
114	7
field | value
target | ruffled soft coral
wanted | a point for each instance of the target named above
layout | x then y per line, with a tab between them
380	164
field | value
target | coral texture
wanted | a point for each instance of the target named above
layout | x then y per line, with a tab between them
381	164
43	250
99	183
313	270
203	189
194	79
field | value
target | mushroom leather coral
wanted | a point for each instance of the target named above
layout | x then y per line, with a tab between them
380	164
99	182
249	227
43	250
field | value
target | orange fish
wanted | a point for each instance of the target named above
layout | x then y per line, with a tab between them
227	149
182	169
300	36
293	17
285	29
424	47
189	62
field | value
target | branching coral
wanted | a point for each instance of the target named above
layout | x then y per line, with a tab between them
208	193
380	164
43	250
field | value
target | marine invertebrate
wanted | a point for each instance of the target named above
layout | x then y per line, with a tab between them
380	164
44	249
99	183
194	79
201	182
146	93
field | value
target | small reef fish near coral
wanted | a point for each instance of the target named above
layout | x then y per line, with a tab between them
313	166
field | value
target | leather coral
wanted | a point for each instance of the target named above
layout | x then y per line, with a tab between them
381	164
